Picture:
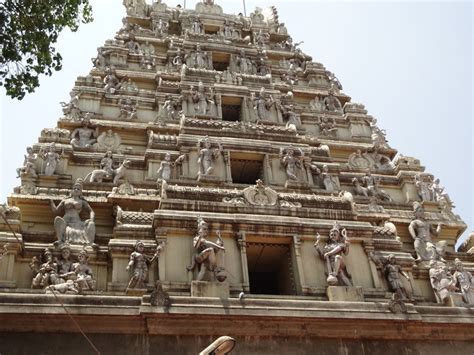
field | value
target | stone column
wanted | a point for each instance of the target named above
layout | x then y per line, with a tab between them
268	173
242	244
228	170
161	235
299	264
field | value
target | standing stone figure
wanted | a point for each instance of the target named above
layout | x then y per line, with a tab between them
464	282
51	160
441	280
71	109
29	164
164	172
330	183
263	105
111	82
202	103
332	103
208	256
70	228
84	136
372	186
332	253
207	156
392	272
139	263
425	188
292	162
420	230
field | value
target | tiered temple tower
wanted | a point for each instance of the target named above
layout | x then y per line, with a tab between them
208	178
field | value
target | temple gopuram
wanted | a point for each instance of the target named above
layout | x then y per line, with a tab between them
210	189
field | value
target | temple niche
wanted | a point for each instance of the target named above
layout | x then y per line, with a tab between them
208	178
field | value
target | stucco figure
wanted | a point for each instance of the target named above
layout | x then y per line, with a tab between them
138	265
85	136
207	156
29	164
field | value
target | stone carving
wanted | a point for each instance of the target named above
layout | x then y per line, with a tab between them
464	282
71	109
171	109
359	160
84	137
420	230
358	189
198	59
334	81
291	75
207	156
257	16
138	265
132	45
70	228
260	195
111	82
228	31
164	172
392	272
331	103
263	104
178	59
109	141
441	280
107	171
45	272
293	120
379	138
441	196
424	187
316	104
136	8
50	159
292	161
161	28
124	189
128	109
203	103
159	297
332	254
55	134
261	38
372	184
147	60
29	164
327	126
128	85
330	182
243	64
102	60
197	27
208	256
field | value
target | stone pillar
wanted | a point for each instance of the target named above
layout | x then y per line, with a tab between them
268	173
242	244
161	238
10	249
299	264
228	170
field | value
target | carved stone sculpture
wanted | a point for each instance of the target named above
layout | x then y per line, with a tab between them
84	136
107	171
109	141
102	60
83	272
327	126
111	82
263	104
292	161
244	64
464	282
293	120
332	103
330	182
424	187
358	189
50	160
207	156
208	256
164	172
29	164
171	109
317	104
392	272
136	8
71	109
70	228
203	103
260	195
197	26
64	262
332	254
161	28
420	230
46	272
372	185
138	265
334	81
198	59
128	109
441	280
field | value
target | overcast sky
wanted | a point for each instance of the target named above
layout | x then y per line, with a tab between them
409	63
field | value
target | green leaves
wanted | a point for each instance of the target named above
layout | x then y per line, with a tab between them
28	31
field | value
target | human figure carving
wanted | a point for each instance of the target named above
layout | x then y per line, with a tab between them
70	228
111	82
139	263
263	105
392	272
51	159
29	164
332	103
208	256
332	253
45	274
441	280
330	183
207	156
373	189
164	172
292	161
71	109
464	282
84	136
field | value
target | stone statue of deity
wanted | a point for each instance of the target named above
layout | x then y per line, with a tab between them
420	230
84	136
70	228
29	164
138	265
203	103
263	104
164	172
464	282
50	159
292	161
332	254
207	156
442	282
45	272
208	256
392	272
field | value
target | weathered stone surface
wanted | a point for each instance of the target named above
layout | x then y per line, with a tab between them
345	294
209	289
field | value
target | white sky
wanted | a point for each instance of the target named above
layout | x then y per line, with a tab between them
409	63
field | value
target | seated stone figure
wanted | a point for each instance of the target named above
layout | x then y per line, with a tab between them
332	253
45	274
208	256
70	228
84	136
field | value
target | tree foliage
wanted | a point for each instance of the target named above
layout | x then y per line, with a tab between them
29	30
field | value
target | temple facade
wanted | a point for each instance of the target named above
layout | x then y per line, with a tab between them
209	179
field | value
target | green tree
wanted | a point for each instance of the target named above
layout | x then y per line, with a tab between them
29	30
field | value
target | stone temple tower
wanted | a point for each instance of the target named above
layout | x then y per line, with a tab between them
209	179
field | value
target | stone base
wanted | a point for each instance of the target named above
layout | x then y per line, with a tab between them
210	289
208	178
345	294
299	185
136	292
